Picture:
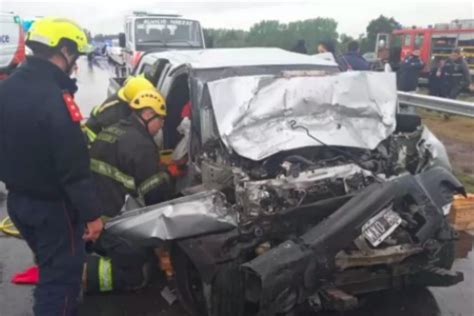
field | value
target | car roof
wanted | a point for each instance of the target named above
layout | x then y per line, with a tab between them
235	57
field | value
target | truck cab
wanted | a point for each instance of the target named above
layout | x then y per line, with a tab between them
145	32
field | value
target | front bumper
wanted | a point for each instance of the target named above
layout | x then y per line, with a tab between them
302	265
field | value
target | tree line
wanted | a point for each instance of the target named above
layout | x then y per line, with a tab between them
271	33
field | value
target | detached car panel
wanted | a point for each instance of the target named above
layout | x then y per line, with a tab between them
201	213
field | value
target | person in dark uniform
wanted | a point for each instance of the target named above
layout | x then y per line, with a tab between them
125	161
45	164
300	47
352	60
437	80
409	72
457	74
115	107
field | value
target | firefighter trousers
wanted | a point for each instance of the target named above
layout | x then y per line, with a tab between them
54	234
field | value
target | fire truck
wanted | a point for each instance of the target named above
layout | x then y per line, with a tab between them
434	42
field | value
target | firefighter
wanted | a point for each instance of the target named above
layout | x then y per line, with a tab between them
457	74
45	164
409	72
115	107
125	161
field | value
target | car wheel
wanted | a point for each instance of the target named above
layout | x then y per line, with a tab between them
225	296
188	283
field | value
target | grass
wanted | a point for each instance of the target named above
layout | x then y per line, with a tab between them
466	97
457	134
467	180
456	128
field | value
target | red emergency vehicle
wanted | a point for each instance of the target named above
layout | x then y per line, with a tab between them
434	43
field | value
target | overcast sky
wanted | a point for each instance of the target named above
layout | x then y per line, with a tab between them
352	16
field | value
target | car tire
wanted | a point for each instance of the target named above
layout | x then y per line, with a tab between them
188	283
226	291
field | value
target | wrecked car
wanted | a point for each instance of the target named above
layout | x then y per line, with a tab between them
305	187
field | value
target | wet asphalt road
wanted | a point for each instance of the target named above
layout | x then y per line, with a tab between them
15	256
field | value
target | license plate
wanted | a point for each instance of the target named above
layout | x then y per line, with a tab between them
379	227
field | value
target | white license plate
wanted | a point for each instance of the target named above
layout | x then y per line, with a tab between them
379	227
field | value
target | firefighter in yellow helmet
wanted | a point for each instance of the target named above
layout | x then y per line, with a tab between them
125	161
115	107
45	163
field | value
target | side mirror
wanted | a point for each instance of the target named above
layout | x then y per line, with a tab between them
122	40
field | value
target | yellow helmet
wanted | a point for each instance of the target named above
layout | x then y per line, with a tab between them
50	31
149	99
133	86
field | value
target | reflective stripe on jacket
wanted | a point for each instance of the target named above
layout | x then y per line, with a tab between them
125	160
106	114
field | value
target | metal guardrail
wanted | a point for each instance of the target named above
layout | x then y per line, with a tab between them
449	106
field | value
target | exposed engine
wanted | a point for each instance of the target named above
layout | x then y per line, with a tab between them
290	179
267	197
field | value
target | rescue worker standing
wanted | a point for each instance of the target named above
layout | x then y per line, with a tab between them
115	107
437	79
353	60
457	74
45	164
300	47
409	72
125	161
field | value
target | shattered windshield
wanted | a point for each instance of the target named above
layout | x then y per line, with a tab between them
168	32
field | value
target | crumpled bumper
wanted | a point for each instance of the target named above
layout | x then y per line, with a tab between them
307	261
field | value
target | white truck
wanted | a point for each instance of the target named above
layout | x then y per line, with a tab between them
145	32
12	43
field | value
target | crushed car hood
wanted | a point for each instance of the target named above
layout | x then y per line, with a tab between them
254	114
